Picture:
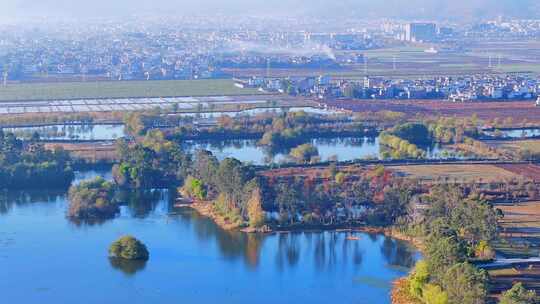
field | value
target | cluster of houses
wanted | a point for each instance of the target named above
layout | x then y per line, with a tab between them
515	28
457	89
116	56
165	51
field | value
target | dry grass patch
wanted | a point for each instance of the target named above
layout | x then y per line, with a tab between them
458	173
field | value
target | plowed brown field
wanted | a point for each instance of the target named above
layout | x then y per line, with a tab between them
517	110
530	171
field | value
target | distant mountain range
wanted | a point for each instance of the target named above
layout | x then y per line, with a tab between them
435	9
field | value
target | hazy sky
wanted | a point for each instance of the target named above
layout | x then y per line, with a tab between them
446	9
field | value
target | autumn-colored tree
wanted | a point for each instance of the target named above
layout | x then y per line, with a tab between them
255	211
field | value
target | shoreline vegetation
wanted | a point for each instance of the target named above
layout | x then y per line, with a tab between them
28	165
205	209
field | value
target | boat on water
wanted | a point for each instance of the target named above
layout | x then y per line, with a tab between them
352	238
182	202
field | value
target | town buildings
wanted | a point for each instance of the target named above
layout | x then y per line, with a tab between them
456	89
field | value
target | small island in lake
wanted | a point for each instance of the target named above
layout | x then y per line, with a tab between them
128	248
92	199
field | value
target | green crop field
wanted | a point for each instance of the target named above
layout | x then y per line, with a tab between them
520	68
121	89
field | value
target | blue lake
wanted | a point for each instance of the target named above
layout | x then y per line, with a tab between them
46	258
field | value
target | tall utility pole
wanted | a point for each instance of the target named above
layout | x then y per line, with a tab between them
365	66
268	68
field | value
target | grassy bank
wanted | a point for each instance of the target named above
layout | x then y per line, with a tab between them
207	209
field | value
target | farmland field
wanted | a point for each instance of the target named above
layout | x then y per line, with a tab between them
413	62
515	149
457	172
520	229
529	171
521	215
121	89
531	145
90	152
503	279
522	112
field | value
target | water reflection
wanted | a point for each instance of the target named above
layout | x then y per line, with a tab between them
248	150
266	110
232	245
140	204
514	133
71	132
397	253
128	267
330	149
327	250
12	199
84	223
288	251
188	248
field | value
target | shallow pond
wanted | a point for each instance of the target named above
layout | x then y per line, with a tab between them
514	133
341	149
270	110
113	131
71	132
46	258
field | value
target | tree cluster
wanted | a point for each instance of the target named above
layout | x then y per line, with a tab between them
229	184
26	165
277	131
397	148
92	199
519	295
458	228
152	162
128	248
448	130
373	196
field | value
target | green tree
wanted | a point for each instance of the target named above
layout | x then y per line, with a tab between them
231	176
194	188
418	279
465	284
393	206
129	248
304	153
433	294
415	133
134	124
92	199
518	295
442	253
